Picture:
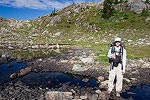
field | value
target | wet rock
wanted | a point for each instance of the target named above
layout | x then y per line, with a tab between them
13	76
24	71
56	95
85	80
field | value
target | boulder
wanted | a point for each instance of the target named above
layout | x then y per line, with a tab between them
78	67
24	71
104	84
100	78
88	60
57	95
13	76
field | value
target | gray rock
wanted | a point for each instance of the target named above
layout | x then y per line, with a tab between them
83	97
78	67
102	96
85	80
100	78
133	79
88	60
104	84
55	20
98	91
147	19
127	80
137	7
146	65
57	95
94	97
58	34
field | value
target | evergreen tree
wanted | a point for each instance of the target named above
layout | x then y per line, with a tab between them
121	1
116	2
147	1
108	9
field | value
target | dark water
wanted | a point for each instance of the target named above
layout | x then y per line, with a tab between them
141	92
43	79
56	80
7	69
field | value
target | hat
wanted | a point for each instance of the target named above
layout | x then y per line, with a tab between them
117	39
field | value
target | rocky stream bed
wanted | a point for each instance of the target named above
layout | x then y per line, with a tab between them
75	75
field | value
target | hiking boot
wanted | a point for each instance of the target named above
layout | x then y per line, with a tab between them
117	94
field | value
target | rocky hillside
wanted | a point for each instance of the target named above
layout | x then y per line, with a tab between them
81	25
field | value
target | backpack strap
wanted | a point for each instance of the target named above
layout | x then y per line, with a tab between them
120	52
112	51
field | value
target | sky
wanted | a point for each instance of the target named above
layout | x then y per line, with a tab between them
32	9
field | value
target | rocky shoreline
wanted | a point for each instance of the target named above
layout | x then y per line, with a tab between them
76	61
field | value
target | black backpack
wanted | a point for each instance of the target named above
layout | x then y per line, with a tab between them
112	46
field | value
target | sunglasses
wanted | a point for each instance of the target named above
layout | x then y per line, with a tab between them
117	41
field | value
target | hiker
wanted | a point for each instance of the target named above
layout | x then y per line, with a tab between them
117	56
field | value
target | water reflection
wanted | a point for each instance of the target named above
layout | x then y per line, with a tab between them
56	80
141	92
7	69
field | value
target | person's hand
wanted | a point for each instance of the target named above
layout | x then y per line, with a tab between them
113	56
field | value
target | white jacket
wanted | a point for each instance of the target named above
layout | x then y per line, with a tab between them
123	58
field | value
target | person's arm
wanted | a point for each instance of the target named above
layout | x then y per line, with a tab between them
109	53
124	60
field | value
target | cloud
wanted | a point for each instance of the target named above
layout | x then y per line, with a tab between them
56	4
41	4
34	4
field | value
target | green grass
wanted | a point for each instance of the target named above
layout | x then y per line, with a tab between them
32	53
127	25
136	52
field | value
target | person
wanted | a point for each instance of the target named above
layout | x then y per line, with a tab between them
117	56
